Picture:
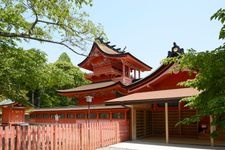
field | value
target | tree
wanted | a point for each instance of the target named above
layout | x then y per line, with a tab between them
64	58
20	70
26	76
62	75
58	22
210	80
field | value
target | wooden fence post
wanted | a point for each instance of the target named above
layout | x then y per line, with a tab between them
60	137
34	138
18	138
101	136
1	137
51	134
6	144
29	138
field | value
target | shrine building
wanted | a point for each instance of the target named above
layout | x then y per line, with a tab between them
144	107
12	113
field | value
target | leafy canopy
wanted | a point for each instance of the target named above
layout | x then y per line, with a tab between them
64	58
210	80
62	75
58	22
25	75
19	70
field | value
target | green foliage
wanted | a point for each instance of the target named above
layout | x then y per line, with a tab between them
210	80
25	74
64	58
62	75
18	69
58	22
220	16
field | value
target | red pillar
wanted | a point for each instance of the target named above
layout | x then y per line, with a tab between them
139	74
123	70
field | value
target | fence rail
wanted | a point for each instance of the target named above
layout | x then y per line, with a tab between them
60	136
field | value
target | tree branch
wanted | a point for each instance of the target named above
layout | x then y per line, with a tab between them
27	36
63	26
36	16
48	22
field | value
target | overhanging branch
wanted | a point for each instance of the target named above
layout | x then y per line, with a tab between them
27	36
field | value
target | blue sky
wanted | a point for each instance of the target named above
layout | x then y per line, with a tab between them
148	28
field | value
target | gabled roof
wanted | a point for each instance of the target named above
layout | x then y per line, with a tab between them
154	96
107	50
113	53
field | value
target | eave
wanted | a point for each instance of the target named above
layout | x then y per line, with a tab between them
154	96
120	56
70	93
147	80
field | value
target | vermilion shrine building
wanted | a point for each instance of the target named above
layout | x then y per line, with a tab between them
12	112
145	107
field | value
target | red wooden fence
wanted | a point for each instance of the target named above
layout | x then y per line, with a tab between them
60	136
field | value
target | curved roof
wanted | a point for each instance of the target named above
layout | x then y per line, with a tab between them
106	84
91	87
107	50
110	52
163	68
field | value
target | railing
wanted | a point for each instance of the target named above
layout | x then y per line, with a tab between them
59	136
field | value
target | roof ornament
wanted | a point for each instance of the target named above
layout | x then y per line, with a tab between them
101	39
175	51
113	47
124	49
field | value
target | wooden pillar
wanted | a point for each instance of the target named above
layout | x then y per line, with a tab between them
179	116
124	73
139	74
166	123
133	123
128	72
123	70
212	129
145	123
